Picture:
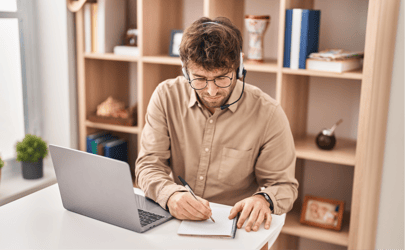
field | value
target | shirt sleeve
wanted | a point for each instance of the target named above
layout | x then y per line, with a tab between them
275	165
152	170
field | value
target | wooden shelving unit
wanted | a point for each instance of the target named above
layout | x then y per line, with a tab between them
102	75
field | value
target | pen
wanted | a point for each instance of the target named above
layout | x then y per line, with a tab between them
191	191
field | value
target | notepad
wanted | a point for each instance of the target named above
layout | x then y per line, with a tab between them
223	227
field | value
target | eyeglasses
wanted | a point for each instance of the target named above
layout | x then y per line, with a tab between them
202	83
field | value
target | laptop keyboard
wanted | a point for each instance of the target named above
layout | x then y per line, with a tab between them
148	217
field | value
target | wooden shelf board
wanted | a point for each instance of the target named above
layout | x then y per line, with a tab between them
111	57
355	74
118	128
269	65
162	60
293	226
343	153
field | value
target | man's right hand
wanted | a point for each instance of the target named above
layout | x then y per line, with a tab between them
184	206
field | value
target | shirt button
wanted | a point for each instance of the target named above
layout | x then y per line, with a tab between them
206	150
201	177
211	121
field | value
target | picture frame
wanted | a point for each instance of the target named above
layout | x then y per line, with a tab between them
322	212
175	40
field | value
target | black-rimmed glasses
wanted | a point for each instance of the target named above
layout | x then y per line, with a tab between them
202	83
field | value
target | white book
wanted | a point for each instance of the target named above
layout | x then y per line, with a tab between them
110	24
338	66
126	50
295	38
87	27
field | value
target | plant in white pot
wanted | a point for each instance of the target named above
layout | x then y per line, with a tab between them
31	152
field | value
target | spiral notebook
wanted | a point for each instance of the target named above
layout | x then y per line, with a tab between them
223	227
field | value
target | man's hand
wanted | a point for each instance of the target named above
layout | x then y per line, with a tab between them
184	206
256	208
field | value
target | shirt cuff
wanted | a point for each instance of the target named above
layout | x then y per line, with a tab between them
166	192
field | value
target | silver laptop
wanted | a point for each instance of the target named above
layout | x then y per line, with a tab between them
101	188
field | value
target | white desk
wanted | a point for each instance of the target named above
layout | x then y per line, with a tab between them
40	221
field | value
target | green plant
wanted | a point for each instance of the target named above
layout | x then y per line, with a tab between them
1	163
31	149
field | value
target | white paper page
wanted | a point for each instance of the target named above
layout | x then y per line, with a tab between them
222	225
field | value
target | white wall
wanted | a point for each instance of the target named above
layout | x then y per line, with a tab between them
56	67
390	230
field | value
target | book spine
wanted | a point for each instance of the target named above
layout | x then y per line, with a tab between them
295	38
309	35
87	27
94	25
287	38
303	39
313	31
118	151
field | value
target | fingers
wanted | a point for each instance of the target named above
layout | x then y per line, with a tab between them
252	218
259	221
243	216
184	206
235	210
268	220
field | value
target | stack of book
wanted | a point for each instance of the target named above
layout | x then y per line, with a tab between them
105	144
104	25
301	36
335	60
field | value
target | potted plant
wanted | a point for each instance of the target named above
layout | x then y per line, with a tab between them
31	152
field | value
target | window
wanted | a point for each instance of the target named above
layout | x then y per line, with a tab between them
14	98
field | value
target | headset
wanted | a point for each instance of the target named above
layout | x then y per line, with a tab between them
241	72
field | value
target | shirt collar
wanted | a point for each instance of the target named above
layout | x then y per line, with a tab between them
234	96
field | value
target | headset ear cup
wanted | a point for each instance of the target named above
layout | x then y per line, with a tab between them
241	68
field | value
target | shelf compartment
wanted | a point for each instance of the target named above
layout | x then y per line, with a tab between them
111	57
343	153
354	74
118	128
293	226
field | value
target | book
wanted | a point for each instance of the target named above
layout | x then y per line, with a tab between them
126	50
301	36
87	27
309	39
295	38
101	146
338	66
287	38
91	138
94	24
333	54
222	227
117	150
111	24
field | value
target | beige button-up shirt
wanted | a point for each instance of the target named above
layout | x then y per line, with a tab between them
226	156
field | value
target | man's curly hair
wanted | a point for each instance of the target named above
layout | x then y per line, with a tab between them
212	46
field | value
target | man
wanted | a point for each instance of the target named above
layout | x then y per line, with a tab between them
224	137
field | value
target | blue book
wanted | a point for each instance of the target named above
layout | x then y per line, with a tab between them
309	39
91	138
287	37
117	150
95	144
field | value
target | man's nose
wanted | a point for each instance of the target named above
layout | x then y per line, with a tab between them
212	88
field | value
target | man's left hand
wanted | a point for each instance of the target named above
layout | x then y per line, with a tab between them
256	208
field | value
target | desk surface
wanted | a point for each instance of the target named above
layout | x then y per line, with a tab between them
40	221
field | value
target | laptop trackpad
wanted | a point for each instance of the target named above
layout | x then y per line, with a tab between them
150	206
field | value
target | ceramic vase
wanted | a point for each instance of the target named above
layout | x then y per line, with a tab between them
256	26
